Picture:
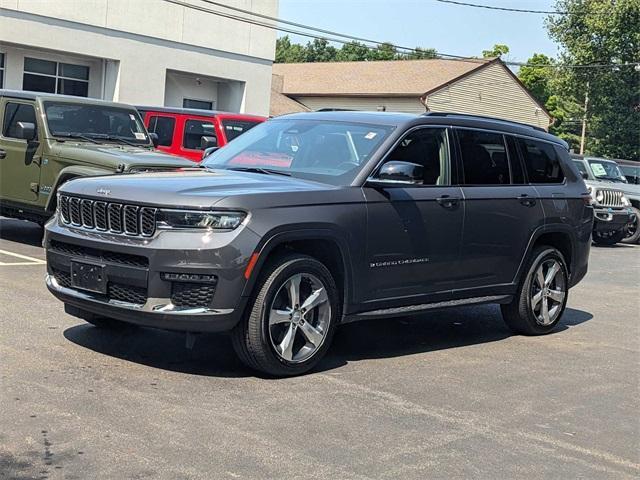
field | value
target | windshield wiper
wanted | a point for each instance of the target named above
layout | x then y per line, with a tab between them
115	138
265	171
75	135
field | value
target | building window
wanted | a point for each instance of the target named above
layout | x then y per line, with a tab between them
200	104
53	77
1	70
163	127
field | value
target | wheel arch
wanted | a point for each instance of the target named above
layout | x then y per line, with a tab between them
326	244
561	237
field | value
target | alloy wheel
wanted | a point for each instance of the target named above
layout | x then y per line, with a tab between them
299	317
548	292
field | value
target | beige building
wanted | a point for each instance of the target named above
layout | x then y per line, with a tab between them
148	52
479	87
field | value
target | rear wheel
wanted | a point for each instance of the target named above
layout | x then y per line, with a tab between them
608	237
542	294
292	317
633	233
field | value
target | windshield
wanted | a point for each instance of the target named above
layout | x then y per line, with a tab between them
323	151
604	170
95	122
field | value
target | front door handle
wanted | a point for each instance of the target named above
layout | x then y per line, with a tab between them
526	200
447	201
3	154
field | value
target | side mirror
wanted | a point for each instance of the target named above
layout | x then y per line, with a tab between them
208	142
208	151
585	175
154	139
26	131
400	172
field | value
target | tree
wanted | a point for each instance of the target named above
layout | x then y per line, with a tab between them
384	51
287	52
319	50
421	54
537	76
353	52
498	50
602	32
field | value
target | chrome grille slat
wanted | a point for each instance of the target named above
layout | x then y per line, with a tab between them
116	218
611	198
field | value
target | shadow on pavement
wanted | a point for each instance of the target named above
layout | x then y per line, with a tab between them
21	231
213	355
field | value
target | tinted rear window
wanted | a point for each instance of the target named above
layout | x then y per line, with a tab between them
235	128
163	127
484	158
541	161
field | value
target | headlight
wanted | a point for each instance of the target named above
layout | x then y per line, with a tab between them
599	196
625	201
193	219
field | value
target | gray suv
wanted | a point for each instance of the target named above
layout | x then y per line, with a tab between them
312	220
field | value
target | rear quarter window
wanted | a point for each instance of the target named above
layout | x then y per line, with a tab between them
541	161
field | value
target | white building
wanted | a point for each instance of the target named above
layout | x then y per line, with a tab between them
150	52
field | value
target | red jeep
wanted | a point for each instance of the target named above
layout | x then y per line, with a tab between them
188	132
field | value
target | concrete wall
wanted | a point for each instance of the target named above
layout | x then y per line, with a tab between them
139	41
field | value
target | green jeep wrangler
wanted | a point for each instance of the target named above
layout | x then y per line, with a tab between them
49	139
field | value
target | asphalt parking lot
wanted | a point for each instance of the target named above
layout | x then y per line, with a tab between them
448	395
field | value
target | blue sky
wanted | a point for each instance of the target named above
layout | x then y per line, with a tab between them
448	28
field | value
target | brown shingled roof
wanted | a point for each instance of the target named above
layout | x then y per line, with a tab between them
388	78
280	103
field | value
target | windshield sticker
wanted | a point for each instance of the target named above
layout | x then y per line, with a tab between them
140	136
370	135
132	117
598	170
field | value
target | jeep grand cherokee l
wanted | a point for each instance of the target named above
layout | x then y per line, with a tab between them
311	220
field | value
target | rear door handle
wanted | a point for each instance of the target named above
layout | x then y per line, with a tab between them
3	154
447	201
526	200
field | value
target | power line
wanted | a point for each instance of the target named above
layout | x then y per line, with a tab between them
352	38
504	9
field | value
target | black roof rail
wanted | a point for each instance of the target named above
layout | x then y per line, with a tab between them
331	109
481	117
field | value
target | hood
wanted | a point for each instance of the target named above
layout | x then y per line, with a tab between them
195	188
111	155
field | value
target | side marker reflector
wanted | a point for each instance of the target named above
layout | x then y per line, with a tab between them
252	263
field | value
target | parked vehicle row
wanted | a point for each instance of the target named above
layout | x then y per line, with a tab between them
312	220
47	140
616	201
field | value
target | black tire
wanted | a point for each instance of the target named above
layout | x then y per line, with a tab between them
252	337
633	232
519	314
608	238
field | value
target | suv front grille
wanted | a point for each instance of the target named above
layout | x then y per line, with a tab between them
99	255
115	291
612	198
109	217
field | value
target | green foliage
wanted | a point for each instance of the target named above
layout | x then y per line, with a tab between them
538	79
320	50
602	32
498	50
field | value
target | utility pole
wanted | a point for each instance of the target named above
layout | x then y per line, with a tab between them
584	121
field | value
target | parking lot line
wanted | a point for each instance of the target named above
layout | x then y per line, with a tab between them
30	260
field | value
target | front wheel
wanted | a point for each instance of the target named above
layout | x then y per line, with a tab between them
608	238
632	234
292	318
542	294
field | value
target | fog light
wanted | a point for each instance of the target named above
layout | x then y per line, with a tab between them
189	277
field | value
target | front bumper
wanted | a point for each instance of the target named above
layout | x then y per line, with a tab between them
137	290
609	219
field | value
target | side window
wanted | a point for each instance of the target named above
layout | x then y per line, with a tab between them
484	158
541	161
163	127
194	130
14	113
581	167
428	147
517	172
